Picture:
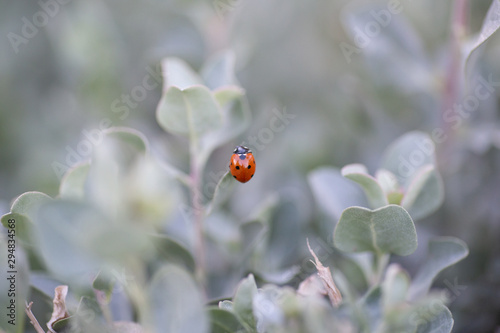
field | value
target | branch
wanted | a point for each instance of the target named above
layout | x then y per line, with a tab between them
32	318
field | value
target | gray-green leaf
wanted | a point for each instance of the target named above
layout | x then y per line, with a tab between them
243	302
443	252
223	321
408	154
389	229
73	183
176	304
424	194
374	192
192	111
334	193
176	72
491	24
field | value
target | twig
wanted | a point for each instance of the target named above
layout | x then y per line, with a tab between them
32	318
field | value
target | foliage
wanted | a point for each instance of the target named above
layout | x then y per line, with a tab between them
143	244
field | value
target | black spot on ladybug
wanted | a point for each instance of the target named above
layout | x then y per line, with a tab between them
237	167
251	176
234	177
243	156
249	166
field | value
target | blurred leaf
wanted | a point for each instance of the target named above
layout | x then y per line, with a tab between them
405	156
44	283
334	193
372	302
425	193
22	212
243	302
176	303
177	73
62	227
173	252
227	94
105	283
236	118
129	136
28	203
126	327
221	192
219	71
23	227
388	229
389	183
192	111
223	321
395	286
442	253
359	174
226	305
73	182
435	318
279	277
491	24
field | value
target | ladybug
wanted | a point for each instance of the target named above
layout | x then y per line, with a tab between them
242	165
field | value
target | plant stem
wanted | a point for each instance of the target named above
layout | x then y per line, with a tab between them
453	79
380	263
33	319
198	213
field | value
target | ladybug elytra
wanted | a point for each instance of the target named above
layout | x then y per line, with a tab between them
242	165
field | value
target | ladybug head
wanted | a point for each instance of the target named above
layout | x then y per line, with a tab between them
241	150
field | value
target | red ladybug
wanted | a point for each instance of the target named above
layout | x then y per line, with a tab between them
242	165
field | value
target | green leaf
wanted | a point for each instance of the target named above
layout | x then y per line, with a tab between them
219	71
173	252
23	211
334	193
491	24
228	94
23	227
28	203
221	192
130	136
394	287
192	111
73	182
425	193
388	229
442	253
223	321
405	156
435	318
176	72
63	228
243	302
374	192
176	304
236	118
105	283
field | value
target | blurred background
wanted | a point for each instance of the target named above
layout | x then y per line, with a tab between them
68	66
